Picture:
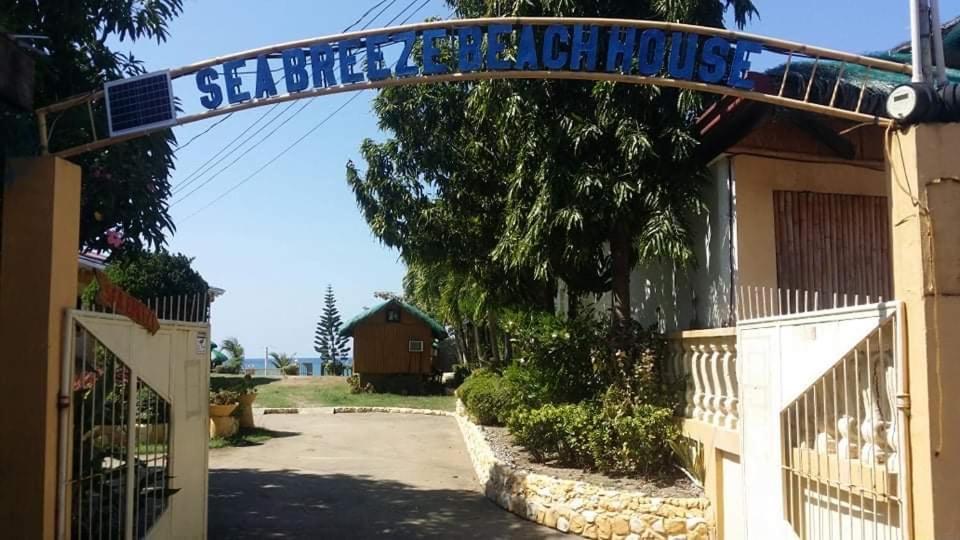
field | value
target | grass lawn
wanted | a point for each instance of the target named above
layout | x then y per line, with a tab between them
326	392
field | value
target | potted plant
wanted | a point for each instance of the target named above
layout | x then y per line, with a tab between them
248	394
222	405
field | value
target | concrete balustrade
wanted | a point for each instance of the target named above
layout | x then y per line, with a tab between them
707	361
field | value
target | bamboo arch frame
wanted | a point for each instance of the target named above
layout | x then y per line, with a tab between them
786	48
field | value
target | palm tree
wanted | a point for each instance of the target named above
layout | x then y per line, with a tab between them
284	362
234	350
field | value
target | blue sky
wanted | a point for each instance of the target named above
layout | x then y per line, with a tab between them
276	241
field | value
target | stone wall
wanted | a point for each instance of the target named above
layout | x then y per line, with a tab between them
579	507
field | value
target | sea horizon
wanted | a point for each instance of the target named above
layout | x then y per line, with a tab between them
257	363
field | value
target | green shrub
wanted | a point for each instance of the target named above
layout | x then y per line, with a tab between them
560	432
489	398
639	443
558	355
581	435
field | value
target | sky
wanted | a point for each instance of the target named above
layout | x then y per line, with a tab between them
277	240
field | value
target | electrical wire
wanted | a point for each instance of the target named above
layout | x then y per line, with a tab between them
302	137
248	150
182	186
201	134
276	157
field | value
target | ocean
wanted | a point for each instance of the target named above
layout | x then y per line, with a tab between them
308	366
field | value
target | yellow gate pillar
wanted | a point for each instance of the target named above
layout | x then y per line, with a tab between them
924	189
38	282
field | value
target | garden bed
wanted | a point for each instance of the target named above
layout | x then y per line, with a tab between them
670	484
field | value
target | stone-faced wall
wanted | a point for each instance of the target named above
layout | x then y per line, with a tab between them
579	507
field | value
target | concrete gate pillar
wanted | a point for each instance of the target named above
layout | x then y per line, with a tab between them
924	189
38	282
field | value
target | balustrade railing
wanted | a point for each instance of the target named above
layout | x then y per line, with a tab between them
844	446
707	361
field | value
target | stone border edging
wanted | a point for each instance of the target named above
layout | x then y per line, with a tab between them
580	507
392	410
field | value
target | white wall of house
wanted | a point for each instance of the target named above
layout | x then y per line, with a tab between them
675	298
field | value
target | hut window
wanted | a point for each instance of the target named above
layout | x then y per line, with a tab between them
415	346
393	315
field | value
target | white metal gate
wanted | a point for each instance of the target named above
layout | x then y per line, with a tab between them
133	436
822	425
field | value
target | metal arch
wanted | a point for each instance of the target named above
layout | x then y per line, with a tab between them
788	49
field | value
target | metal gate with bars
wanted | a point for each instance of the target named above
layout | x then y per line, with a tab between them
831	384
132	460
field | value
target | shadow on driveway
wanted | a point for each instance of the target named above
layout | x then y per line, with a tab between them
257	503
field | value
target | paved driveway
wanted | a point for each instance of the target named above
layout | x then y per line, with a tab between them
356	476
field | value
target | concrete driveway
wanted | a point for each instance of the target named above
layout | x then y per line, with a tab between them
356	476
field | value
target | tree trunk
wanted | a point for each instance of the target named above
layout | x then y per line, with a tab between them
476	342
492	330
461	337
620	259
462	344
573	305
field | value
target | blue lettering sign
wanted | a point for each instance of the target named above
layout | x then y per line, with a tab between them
553	37
404	69
431	63
376	71
322	61
233	81
265	85
348	59
741	64
583	53
468	42
713	61
527	50
620	49
496	46
683	56
214	96
295	70
653	45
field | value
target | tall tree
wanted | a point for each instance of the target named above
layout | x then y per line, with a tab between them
125	187
327	341
548	179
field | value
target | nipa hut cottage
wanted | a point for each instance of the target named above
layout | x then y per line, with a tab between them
393	345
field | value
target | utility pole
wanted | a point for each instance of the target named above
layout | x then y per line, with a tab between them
266	354
926	42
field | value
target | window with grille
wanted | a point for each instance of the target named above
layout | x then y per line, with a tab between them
415	346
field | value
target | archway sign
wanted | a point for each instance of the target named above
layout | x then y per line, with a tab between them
625	51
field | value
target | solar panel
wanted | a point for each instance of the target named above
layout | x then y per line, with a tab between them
139	103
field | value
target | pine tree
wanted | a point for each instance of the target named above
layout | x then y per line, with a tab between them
327	341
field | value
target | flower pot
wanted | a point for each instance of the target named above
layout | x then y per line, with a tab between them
223	426
222	410
246	410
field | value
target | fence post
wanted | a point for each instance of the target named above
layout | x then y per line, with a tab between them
131	478
38	284
924	190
